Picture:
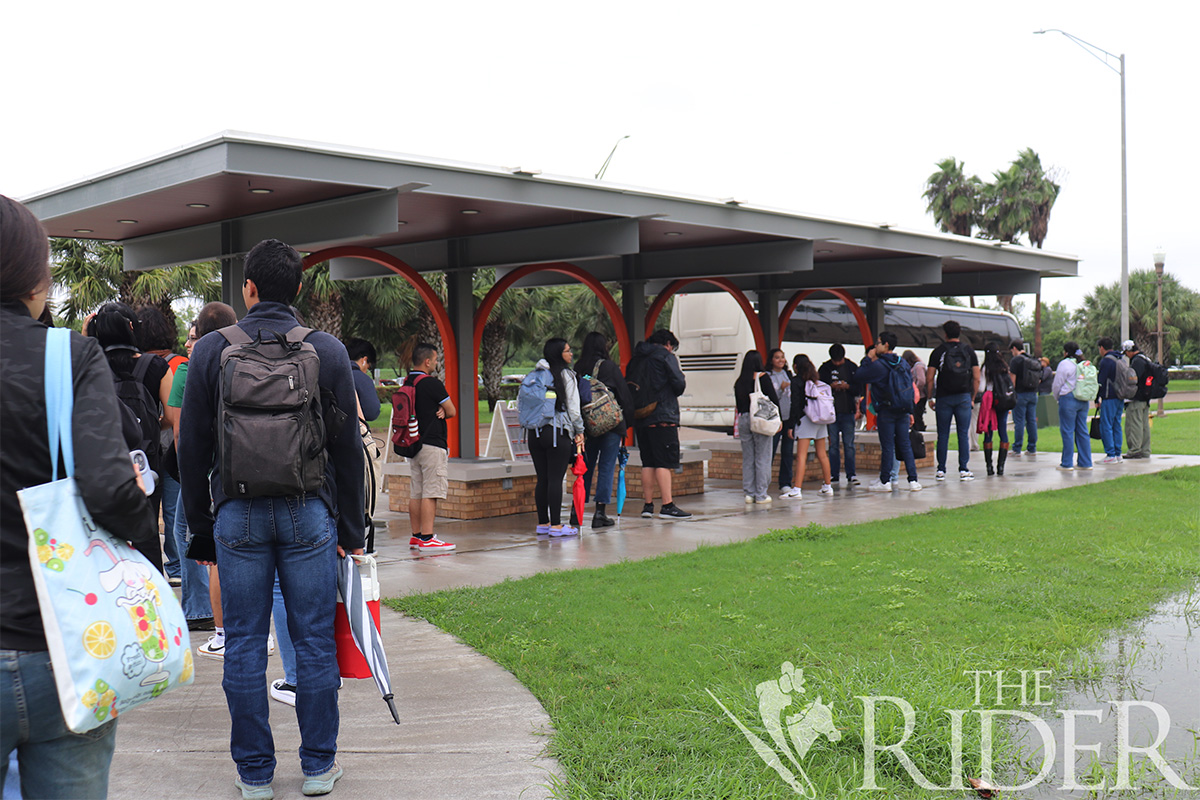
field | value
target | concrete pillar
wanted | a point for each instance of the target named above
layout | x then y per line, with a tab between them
633	298
460	305
233	272
874	313
768	315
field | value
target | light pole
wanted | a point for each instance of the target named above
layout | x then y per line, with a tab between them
1160	260
1095	53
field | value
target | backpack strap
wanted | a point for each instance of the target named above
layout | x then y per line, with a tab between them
298	334
141	366
235	335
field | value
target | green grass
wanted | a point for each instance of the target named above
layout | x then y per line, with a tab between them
621	656
1192	385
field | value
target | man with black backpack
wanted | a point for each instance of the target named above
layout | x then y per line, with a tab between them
656	381
1026	377
265	410
952	379
1137	410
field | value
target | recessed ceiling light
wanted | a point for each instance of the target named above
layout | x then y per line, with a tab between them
261	191
84	230
127	221
824	252
469	211
401	222
197	205
672	233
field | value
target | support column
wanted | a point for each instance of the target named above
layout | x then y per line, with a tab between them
233	272
768	313
460	305
875	314
633	298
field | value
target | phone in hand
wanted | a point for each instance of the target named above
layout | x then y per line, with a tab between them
147	478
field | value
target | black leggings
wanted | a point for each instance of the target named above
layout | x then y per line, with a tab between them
550	459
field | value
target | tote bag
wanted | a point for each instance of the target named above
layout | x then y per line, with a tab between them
764	414
116	633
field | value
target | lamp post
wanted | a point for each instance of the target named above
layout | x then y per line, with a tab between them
1160	259
1095	53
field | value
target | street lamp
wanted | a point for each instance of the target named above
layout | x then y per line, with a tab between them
1095	52
1160	259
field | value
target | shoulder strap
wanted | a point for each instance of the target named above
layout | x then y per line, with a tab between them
60	399
298	334
235	335
141	366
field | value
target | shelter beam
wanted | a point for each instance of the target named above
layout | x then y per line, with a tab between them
460	305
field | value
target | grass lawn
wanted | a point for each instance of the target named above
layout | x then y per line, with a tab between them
1192	385
622	657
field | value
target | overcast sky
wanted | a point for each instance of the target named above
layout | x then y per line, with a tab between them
832	109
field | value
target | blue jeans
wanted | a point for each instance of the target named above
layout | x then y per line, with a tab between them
1073	425
283	637
54	762
786	447
193	575
894	443
170	499
296	537
842	430
601	451
1025	417
958	407
1110	425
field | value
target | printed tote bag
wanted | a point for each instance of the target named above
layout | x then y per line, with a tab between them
116	633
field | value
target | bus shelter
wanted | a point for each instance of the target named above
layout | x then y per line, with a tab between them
372	214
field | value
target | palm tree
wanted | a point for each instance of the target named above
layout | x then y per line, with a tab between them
953	197
92	273
1101	312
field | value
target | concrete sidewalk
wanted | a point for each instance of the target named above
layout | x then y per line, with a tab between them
470	730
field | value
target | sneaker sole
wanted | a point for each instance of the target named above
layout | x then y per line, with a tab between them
215	656
313	788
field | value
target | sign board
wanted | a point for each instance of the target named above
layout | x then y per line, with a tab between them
506	437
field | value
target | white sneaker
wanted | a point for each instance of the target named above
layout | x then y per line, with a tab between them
784	491
941	475
283	691
966	475
766	499
827	489
1016	453
854	481
214	647
913	486
791	494
749	499
270	644
876	486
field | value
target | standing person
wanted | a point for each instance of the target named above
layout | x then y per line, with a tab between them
756	447
891	417
781	379
427	481
952	380
600	452
917	367
805	430
1137	411
157	336
552	444
658	432
1072	412
840	374
992	418
1109	403
363	358
54	762
1046	387
1027	378
300	535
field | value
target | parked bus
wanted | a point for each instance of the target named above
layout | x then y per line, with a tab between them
714	335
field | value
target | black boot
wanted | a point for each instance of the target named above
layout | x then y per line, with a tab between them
987	458
1001	458
599	520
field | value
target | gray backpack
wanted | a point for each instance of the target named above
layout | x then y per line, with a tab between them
270	433
1124	381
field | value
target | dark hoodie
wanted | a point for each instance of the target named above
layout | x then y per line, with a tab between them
667	378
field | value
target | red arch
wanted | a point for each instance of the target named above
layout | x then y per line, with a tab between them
864	327
624	347
432	302
660	302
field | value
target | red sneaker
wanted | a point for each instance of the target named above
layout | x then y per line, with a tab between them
435	545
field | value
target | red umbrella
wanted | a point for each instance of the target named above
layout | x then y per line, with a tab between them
578	490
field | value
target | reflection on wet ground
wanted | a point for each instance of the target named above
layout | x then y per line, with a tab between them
1140	692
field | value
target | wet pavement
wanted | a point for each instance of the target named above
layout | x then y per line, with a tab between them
470	730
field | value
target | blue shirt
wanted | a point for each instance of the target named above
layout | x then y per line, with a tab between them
364	387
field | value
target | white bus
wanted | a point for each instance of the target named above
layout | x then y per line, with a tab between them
714	335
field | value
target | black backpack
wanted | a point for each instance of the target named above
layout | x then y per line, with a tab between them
140	411
956	367
640	374
270	428
1153	384
1004	394
1031	375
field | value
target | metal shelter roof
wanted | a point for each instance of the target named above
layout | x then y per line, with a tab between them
218	197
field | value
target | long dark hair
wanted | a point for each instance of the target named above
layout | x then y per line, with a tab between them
24	252
1070	349
805	370
156	331
751	364
595	348
115	326
993	362
553	353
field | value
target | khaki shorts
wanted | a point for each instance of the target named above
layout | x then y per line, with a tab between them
428	474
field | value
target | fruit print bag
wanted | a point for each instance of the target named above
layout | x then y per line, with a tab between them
116	633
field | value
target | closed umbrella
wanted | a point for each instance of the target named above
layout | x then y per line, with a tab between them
362	623
622	460
578	490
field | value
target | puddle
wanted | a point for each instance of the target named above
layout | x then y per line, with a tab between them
1153	668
